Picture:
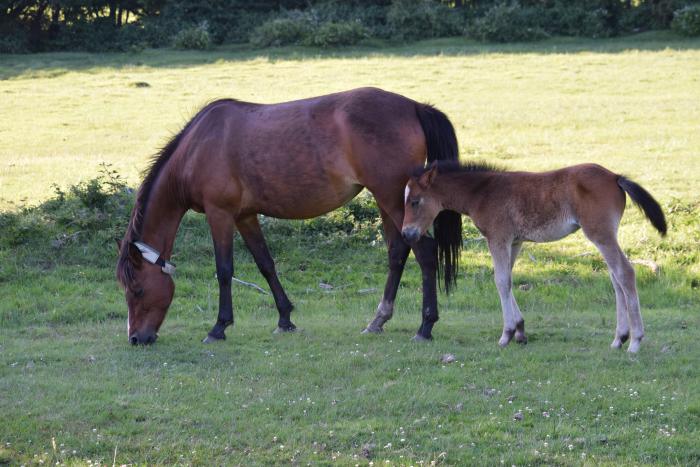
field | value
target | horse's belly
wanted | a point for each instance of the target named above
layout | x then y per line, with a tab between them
305	204
553	231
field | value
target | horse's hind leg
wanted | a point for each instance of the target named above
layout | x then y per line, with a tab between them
622	330
221	225
398	253
249	229
623	273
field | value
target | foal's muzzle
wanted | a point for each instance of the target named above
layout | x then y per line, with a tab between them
410	234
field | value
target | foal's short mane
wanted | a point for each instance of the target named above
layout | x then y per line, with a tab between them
455	167
125	267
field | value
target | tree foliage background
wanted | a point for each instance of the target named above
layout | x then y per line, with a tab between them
118	25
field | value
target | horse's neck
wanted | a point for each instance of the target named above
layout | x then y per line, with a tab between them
162	218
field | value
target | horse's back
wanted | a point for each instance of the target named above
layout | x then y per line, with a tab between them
302	158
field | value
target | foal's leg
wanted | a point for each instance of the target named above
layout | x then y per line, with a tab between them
520	336
249	229
623	272
622	330
221	225
501	254
398	252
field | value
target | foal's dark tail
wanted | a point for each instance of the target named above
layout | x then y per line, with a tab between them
441	141
645	202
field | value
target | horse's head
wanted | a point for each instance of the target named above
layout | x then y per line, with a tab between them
149	290
421	206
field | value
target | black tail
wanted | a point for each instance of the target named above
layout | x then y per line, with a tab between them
441	142
645	202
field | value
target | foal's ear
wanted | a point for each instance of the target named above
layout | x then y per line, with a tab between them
428	176
119	244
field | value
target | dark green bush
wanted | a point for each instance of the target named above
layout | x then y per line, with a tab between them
194	38
13	39
686	21
508	23
336	34
292	29
421	19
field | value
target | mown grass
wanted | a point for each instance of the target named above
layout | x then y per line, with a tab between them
72	391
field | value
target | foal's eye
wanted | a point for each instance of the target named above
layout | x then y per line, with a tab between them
138	293
415	203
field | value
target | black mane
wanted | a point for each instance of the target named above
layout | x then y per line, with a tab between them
455	167
125	268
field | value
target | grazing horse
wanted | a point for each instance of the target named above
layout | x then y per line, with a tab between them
295	160
513	207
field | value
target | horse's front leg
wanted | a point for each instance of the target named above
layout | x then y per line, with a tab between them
425	251
249	229
501	255
221	225
398	253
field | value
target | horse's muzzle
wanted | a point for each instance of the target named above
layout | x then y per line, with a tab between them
410	234
143	339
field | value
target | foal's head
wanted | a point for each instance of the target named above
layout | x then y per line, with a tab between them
149	292
421	205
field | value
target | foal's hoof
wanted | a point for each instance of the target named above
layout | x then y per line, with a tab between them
522	340
421	338
373	330
209	339
616	344
634	347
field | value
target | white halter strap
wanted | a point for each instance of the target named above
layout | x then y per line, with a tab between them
152	255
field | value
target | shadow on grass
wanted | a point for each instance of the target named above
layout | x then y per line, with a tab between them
56	64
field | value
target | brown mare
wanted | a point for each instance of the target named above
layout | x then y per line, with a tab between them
294	160
513	207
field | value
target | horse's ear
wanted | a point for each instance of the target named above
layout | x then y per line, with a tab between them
428	176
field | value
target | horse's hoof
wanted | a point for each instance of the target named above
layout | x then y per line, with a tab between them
284	329
209	339
373	330
420	338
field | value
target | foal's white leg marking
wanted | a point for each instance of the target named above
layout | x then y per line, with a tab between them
500	253
385	310
623	273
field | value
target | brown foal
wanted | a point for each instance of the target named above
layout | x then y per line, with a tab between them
294	160
513	207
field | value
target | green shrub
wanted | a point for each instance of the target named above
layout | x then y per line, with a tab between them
337	34
686	21
290	30
421	19
194	38
508	23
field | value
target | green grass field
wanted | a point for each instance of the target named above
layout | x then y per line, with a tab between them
72	391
